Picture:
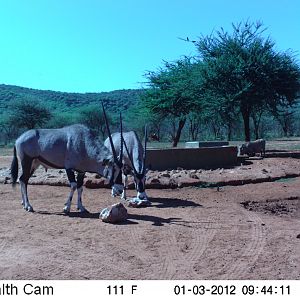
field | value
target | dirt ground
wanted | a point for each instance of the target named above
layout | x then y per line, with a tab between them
249	231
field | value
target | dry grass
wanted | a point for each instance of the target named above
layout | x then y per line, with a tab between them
6	151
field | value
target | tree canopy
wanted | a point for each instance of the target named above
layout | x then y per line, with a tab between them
238	73
29	114
243	70
174	91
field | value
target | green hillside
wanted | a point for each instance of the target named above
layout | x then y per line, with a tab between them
62	101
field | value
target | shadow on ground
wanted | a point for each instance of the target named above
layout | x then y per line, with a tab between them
172	202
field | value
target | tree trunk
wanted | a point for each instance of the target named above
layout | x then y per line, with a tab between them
256	117
216	130
246	119
229	131
256	132
193	132
285	129
178	132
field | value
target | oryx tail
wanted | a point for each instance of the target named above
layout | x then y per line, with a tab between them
14	168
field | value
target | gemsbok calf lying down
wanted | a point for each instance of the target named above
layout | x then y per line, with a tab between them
134	162
73	148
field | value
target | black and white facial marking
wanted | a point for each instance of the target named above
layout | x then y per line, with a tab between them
140	180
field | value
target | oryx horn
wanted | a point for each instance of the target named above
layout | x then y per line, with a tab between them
109	135
145	151
121	137
130	158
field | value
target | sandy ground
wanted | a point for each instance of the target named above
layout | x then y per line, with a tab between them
251	231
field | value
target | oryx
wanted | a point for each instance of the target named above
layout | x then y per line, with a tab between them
73	148
134	162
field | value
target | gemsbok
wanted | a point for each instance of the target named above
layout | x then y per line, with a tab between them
73	148
134	162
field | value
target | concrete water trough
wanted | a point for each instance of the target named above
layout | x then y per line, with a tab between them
198	144
192	158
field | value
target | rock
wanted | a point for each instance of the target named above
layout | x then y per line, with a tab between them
298	236
194	176
136	202
114	214
51	176
95	183
165	175
154	180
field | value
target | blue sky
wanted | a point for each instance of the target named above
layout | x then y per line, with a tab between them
97	45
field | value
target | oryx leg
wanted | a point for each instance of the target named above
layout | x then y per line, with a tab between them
35	164
125	186
142	195
126	171
117	187
80	177
73	185
26	163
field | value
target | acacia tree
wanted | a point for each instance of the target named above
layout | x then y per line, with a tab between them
244	68
29	113
195	120
174	92
8	128
93	118
257	114
285	118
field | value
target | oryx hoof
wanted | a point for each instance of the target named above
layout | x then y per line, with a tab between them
66	211
116	193
29	209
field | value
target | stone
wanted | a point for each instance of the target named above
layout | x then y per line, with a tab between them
114	214
165	175
194	176
154	180
96	183
136	202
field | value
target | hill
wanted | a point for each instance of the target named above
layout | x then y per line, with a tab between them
115	100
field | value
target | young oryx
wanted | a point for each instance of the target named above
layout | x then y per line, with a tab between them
134	162
73	148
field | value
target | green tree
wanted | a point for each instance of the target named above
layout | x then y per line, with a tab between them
29	113
285	118
244	69
60	119
8	128
92	116
174	92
